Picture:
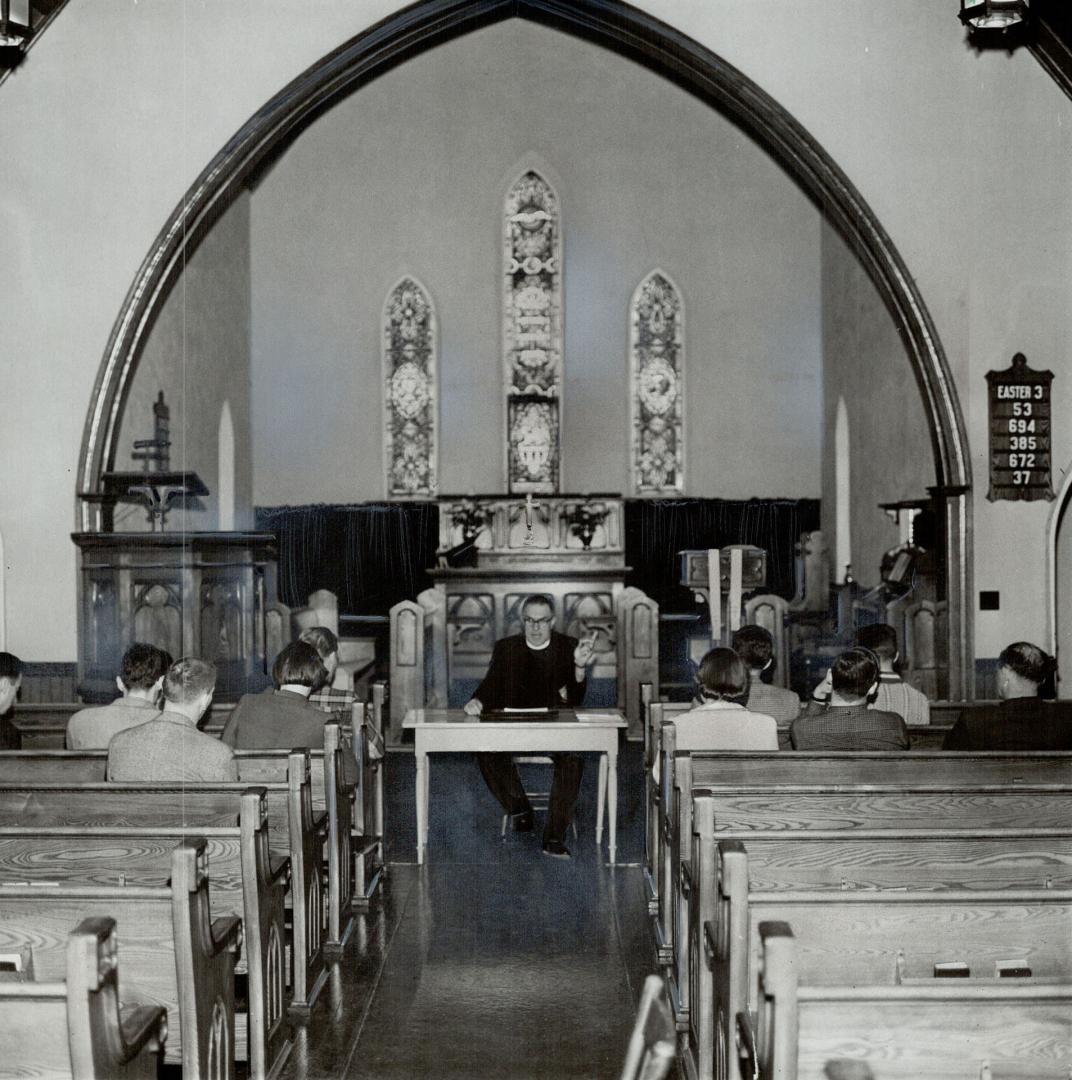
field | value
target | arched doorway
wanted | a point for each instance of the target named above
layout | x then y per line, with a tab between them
663	50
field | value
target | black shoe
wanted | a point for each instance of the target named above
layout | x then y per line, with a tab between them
522	822
556	849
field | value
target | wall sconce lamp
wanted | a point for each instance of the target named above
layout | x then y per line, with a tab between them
994	15
15	23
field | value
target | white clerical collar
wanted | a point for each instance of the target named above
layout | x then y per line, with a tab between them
540	648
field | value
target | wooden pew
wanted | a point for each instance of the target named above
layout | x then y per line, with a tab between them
948	787
863	935
293	832
173	953
72	1028
930	1029
244	883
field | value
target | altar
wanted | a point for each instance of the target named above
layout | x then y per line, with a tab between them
494	551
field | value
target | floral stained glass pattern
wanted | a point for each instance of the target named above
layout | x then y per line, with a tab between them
410	399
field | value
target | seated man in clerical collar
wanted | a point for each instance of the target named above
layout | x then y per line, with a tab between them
539	669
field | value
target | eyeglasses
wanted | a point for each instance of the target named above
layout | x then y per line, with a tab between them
538	622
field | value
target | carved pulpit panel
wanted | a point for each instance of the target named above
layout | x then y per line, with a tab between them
657	386
532	334
158	616
411	404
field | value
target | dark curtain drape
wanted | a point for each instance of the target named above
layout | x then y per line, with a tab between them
375	554
370	556
657	529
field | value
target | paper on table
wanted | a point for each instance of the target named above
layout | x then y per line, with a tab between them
541	709
594	717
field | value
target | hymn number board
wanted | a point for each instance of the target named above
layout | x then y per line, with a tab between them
1020	460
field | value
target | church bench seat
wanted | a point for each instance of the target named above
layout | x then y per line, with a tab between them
293	833
873	936
174	954
244	883
74	1028
933	1029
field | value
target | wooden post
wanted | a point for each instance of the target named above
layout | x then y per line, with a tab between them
714	594
407	665
733	605
638	623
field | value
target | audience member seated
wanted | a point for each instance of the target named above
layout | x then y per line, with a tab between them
1022	721
338	703
10	681
847	723
721	722
140	681
755	646
282	718
894	694
169	746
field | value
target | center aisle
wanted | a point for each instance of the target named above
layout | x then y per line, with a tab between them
492	960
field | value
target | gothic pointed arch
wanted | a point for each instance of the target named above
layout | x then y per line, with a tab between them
410	391
659	47
657	386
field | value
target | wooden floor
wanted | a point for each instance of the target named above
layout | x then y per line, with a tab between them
492	960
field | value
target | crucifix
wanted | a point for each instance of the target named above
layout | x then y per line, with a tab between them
530	535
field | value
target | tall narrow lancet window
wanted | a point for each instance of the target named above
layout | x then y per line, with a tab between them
532	335
225	469
843	489
411	400
657	386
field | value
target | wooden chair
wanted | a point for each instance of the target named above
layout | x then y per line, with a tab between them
540	800
653	1044
73	1028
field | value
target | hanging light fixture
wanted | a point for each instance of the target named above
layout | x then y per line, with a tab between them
15	23
992	14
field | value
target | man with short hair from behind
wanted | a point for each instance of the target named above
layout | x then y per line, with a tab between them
848	724
338	704
894	694
140	681
10	681
755	646
1022	720
169	747
281	717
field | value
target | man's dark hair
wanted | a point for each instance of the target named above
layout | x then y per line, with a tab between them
854	672
142	665
187	679
881	639
10	666
321	639
723	675
1028	661
534	599
299	664
754	645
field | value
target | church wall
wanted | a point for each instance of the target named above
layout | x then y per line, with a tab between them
409	177
864	363
198	354
964	158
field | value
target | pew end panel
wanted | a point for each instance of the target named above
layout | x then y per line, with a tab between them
653	1042
75	1028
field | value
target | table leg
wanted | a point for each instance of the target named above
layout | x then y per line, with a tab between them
612	801
601	798
422	805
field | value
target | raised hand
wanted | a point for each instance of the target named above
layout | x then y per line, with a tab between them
473	707
585	652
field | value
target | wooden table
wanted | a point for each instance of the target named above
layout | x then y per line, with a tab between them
453	731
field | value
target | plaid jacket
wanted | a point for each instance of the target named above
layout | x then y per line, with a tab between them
849	727
339	705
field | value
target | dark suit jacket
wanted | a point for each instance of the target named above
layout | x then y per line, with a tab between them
511	682
275	719
1017	724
